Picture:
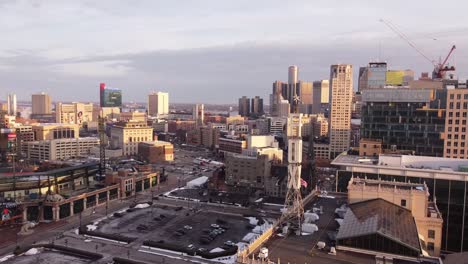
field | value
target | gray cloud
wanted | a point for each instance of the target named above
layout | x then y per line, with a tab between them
211	75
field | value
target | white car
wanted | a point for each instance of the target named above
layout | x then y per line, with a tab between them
214	226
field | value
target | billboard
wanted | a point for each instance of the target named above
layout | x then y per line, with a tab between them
110	97
395	78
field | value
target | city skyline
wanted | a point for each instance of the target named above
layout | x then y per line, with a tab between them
203	54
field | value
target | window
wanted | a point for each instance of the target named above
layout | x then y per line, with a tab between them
452	96
430	246
403	202
458	96
450	114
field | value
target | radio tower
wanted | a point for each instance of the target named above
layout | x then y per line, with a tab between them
293	212
102	148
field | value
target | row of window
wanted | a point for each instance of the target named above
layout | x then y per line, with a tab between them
465	96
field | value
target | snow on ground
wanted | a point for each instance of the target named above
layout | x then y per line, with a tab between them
250	237
7	257
91	227
259	200
214	250
326	196
141	206
252	220
32	251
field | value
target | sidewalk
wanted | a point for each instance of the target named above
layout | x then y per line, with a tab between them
48	231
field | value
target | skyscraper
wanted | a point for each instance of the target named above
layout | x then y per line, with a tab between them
11	102
325	90
292	83
110	97
41	104
455	145
158	104
279	92
198	114
341	83
405	119
256	106
244	106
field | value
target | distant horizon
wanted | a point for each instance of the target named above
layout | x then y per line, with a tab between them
213	51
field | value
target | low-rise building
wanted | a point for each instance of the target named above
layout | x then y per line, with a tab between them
133	116
51	131
60	149
370	147
446	180
412	196
232	145
156	151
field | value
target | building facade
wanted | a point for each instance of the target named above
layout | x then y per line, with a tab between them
156	151
256	106
412	196
127	135
158	104
60	149
455	145
446	180
341	83
244	106
41	104
74	113
198	114
51	131
405	119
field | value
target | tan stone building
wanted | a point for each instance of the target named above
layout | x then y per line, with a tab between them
341	96
74	113
133	116
370	147
60	149
127	135
156	151
456	118
412	196
55	131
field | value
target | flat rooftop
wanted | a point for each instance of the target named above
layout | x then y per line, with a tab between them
446	165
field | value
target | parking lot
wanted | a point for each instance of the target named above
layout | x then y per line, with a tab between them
191	228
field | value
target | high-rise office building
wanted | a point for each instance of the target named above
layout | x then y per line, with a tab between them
158	104
305	92
279	92
341	83
373	76
11	102
456	113
292	74
405	119
110	97
198	114
41	104
324	87
244	106
256	106
292	86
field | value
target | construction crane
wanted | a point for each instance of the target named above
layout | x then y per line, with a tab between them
440	69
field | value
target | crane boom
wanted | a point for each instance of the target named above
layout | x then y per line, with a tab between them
448	56
402	35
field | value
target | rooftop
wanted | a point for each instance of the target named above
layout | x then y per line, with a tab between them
381	217
408	162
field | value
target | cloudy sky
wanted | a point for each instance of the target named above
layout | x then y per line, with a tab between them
211	51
